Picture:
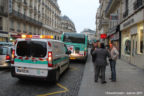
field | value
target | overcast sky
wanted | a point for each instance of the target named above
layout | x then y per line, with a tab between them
81	12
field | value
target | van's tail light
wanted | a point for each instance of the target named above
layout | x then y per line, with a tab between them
50	59
85	53
8	57
13	57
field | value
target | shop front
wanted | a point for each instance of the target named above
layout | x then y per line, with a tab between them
133	39
3	36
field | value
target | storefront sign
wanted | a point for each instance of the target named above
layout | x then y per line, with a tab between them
114	36
3	34
112	31
134	19
128	22
114	17
103	36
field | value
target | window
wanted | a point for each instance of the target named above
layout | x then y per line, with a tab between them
74	38
127	47
31	48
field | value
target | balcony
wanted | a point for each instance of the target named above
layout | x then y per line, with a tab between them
138	4
125	14
111	6
25	18
102	23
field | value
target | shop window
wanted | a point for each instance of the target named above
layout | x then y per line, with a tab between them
127	47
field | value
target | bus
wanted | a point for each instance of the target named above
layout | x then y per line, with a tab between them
78	45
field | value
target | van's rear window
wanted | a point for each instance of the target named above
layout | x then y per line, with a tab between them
31	48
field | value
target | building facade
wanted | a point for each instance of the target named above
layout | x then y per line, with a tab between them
132	30
114	14
102	21
30	17
67	24
90	33
126	29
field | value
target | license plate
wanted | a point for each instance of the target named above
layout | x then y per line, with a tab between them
72	58
22	70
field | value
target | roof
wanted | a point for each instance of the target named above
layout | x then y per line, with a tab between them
66	18
89	31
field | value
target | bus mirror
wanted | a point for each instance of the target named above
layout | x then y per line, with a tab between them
68	52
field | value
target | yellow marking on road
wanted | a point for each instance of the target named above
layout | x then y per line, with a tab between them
73	68
57	92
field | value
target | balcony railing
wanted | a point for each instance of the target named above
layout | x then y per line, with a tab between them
138	4
26	18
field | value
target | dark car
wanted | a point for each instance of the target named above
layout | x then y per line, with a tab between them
5	56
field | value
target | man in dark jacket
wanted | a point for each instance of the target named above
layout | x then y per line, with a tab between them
101	55
95	45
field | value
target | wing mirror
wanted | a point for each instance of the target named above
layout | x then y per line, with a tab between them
68	52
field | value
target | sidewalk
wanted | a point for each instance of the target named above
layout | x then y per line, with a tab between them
129	79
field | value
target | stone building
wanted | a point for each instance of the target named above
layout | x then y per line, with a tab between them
67	24
114	14
132	30
29	17
126	28
103	21
90	33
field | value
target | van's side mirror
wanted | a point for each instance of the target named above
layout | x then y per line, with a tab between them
68	52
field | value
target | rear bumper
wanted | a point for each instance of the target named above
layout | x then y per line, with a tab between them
74	57
50	77
5	65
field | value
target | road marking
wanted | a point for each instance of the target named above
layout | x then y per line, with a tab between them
57	92
74	68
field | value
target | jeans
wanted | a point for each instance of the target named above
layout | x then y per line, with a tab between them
113	70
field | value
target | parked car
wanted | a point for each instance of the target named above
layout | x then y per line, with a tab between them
5	56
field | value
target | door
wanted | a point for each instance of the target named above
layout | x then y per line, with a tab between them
133	48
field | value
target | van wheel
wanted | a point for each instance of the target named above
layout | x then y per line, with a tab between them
57	76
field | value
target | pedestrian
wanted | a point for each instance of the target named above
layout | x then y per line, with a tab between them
100	63
95	46
114	56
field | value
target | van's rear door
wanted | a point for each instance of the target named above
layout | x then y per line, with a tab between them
31	58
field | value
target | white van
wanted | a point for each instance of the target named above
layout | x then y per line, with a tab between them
39	58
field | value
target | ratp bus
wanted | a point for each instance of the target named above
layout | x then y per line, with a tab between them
78	45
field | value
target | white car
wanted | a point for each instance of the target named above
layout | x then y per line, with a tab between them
43	59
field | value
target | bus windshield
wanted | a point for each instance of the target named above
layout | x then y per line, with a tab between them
74	38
